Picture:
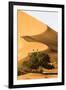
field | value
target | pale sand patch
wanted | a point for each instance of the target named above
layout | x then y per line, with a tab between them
35	76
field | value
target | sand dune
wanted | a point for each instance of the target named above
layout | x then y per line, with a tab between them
34	35
29	25
49	37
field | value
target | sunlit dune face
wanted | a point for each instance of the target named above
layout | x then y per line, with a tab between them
28	25
28	47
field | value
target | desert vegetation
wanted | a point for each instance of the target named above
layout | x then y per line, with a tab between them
38	61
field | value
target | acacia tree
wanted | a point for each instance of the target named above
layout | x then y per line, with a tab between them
44	60
40	59
37	59
34	61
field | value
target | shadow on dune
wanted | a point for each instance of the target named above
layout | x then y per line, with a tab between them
49	37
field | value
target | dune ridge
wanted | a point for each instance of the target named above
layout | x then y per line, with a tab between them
49	37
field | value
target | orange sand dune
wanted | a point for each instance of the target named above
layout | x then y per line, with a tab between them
49	37
39	35
28	25
28	48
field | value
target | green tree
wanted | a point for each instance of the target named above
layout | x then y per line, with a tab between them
38	60
44	60
34	61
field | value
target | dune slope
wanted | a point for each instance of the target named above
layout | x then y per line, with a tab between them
49	37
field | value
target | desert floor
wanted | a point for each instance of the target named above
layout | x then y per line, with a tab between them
38	75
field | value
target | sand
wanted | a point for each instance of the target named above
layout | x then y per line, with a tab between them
35	76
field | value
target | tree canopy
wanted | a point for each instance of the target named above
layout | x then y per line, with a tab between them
37	59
